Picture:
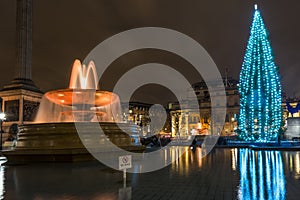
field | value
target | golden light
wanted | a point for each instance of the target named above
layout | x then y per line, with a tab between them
2	116
233	159
199	125
297	163
88	96
199	151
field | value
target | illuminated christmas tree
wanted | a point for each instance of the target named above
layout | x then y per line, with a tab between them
259	86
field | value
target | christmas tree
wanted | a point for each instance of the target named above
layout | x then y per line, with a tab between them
259	86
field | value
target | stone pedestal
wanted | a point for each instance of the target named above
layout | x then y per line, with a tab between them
293	128
59	142
20	102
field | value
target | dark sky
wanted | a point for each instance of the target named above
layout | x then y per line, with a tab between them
67	29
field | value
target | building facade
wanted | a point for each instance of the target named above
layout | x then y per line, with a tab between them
152	119
190	122
291	118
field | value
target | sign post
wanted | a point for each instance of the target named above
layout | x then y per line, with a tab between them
125	162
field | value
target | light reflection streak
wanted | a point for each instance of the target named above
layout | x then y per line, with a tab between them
166	157
291	162
181	165
186	159
253	166
268	174
294	163
199	152
297	163
2	178
233	159
261	175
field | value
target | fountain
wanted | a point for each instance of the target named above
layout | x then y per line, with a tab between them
81	101
53	135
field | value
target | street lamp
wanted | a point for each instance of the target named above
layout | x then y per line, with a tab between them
2	117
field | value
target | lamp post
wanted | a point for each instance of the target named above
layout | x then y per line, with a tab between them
2	117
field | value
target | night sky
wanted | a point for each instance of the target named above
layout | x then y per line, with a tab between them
64	30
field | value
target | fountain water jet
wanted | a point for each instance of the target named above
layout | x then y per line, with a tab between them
53	135
82	101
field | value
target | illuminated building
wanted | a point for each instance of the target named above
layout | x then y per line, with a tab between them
189	121
141	113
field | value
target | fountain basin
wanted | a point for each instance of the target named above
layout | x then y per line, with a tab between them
59	142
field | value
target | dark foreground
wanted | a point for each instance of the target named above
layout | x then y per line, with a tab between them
223	174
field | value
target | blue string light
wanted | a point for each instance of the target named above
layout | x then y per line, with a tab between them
259	86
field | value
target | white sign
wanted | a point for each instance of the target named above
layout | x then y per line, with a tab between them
124	162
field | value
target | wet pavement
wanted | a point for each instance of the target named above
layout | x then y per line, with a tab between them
222	174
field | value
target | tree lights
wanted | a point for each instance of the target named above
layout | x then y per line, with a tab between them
259	86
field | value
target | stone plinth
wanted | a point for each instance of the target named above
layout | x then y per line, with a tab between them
293	128
19	103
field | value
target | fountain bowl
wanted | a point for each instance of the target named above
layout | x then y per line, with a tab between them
71	97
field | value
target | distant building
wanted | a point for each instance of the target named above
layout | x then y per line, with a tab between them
188	121
141	113
291	118
294	108
184	121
